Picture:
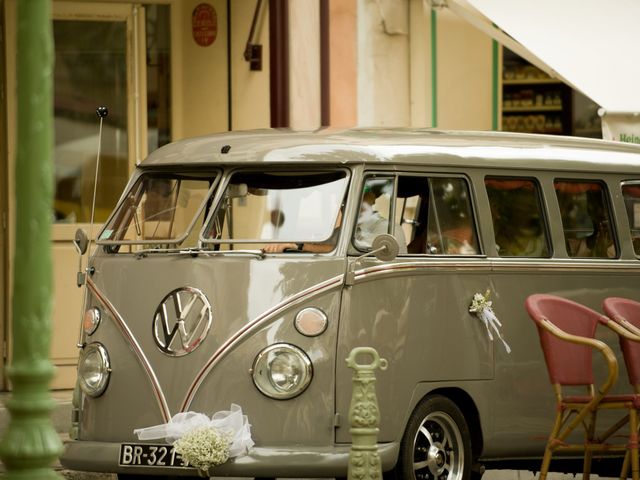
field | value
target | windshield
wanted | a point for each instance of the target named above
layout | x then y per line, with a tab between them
261	208
161	210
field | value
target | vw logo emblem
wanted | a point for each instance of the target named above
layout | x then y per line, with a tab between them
182	321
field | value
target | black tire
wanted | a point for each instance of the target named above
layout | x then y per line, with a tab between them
129	476
436	444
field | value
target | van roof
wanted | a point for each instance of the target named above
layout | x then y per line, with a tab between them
402	146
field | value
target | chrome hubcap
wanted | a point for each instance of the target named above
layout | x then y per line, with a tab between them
438	452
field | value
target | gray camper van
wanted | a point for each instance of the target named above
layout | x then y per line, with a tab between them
238	269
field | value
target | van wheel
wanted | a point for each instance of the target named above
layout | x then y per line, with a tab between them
129	476
436	444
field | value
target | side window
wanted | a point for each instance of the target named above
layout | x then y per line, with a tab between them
437	217
375	209
586	218
518	220
631	195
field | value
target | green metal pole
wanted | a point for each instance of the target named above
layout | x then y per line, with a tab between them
434	68
494	85
30	444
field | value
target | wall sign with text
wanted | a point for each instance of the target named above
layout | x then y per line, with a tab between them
204	24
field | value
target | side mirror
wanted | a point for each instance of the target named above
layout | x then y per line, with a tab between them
385	247
81	241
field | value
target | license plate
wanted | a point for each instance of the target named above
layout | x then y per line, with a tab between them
147	455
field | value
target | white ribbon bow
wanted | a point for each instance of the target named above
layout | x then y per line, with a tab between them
481	306
231	421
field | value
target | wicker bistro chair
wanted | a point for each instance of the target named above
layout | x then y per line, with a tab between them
567	337
625	314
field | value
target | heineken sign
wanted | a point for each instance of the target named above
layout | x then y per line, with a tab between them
621	127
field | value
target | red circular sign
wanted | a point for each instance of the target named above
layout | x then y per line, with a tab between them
204	24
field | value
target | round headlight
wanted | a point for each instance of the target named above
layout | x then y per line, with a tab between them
282	371
311	321
91	320
94	369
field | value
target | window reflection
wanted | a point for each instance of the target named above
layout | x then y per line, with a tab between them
586	219
90	70
518	220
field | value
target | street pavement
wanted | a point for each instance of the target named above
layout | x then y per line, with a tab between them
61	416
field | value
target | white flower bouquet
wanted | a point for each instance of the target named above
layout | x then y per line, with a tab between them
202	441
204	447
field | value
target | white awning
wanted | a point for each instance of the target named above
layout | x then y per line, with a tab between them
591	45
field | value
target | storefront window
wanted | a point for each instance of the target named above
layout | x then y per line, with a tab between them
90	71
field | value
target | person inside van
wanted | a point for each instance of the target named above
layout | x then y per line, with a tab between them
310	247
371	223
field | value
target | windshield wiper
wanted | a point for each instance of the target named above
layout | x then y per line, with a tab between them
196	251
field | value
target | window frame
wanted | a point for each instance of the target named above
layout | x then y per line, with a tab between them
609	208
396	222
542	210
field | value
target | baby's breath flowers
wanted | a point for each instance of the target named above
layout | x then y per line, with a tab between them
481	306
203	447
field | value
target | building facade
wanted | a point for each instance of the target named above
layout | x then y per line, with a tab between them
170	69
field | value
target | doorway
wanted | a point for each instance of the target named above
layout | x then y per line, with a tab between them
99	61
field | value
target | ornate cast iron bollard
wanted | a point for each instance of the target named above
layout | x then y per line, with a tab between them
364	416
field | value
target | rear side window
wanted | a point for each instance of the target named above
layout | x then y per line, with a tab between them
631	195
517	215
586	219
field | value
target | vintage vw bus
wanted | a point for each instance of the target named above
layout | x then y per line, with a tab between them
238	269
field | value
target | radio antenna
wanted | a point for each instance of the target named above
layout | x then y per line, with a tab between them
102	112
83	244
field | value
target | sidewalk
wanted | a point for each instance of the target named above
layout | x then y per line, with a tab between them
61	417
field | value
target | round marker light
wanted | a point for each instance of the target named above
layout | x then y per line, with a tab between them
311	321
91	320
94	369
282	371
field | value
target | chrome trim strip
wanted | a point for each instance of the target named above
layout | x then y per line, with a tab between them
605	266
617	266
248	329
157	390
395	268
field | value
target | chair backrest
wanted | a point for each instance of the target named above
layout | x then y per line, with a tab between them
567	363
618	309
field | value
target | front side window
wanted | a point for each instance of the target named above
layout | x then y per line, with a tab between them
161	210
518	220
427	215
631	195
586	219
437	215
288	207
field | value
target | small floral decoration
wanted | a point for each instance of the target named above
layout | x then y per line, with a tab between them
204	447
481	306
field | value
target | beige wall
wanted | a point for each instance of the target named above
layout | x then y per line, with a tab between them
383	63
304	64
464	74
343	63
199	74
395	69
249	89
